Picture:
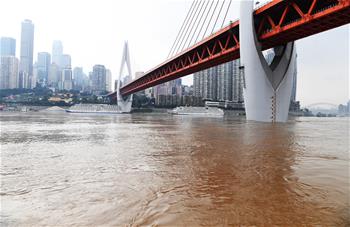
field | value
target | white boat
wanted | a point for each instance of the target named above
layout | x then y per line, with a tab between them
197	111
94	108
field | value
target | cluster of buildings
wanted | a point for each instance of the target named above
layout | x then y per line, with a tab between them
169	94
53	70
220	86
173	93
344	109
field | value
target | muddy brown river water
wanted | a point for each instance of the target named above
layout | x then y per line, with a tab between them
162	170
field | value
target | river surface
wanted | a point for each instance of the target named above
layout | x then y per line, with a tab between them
162	170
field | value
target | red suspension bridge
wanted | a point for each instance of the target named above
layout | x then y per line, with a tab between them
276	23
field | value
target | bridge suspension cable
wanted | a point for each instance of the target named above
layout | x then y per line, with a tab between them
200	30
218	17
201	7
199	22
228	7
192	28
211	17
181	29
189	25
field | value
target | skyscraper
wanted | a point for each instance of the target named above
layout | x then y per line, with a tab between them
171	88
66	82
7	46
98	79
8	72
209	84
54	76
66	61
219	83
43	65
197	84
57	52
8	64
237	83
205	84
80	79
224	82
108	80
26	56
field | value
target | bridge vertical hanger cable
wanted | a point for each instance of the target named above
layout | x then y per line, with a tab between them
217	17
189	25
228	7
193	25
205	19
199	22
211	17
181	29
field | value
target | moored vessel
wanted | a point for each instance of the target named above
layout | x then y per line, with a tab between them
94	108
197	111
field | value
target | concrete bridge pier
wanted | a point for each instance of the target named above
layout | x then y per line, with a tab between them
267	88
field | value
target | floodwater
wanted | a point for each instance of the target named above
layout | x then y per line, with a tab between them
162	170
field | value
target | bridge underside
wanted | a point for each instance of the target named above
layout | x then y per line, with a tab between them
276	23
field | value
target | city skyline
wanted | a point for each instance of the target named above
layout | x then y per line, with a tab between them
314	75
225	112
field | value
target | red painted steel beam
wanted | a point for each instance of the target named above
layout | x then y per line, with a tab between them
277	23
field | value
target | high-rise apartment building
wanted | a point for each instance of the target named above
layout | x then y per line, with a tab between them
108	80
8	64
80	79
26	55
66	82
57	52
8	72
54	76
224	82
173	87
205	83
42	68
237	83
66	61
98	79
219	83
7	46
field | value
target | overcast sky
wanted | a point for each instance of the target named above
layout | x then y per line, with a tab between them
93	32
